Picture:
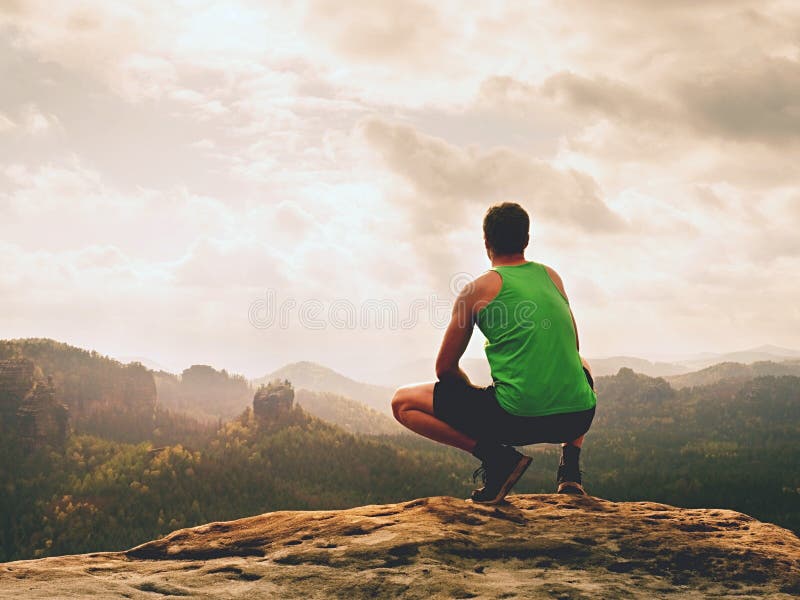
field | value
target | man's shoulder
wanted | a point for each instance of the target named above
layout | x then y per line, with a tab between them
556	279
550	271
488	282
482	290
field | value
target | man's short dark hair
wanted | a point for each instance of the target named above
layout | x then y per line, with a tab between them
505	228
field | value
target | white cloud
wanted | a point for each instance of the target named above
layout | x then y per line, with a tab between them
165	161
36	122
402	31
448	180
6	124
204	144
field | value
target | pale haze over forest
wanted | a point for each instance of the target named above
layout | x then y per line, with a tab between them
167	169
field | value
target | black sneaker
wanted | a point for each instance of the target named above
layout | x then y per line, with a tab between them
499	476
569	481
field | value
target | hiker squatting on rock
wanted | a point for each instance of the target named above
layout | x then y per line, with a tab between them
542	391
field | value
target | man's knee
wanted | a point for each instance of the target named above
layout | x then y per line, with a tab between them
409	398
399	402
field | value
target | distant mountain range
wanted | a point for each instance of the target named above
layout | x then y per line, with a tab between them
758	354
610	366
478	368
350	403
147	362
353	404
317	378
732	371
313	376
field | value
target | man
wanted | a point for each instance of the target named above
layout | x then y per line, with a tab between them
542	390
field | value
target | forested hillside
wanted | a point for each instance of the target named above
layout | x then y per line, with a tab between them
99	495
130	403
203	392
348	414
731	444
105	397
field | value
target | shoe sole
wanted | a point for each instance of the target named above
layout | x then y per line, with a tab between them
513	478
571	487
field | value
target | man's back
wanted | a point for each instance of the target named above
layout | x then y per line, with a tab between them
531	344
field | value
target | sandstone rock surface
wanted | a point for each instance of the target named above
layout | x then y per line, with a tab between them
535	546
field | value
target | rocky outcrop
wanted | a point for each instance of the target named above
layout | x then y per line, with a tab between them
101	394
273	400
41	418
534	546
28	405
16	380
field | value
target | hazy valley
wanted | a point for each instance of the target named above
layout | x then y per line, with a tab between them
141	453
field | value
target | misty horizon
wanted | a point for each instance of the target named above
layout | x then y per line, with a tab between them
778	353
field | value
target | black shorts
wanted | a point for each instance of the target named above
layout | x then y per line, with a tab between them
476	412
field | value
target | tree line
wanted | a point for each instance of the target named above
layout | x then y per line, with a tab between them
732	444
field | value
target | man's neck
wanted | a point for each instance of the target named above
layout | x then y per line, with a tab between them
508	260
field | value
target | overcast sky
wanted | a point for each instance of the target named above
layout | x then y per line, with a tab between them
245	184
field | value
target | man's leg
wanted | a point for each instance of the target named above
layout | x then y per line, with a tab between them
502	466
412	406
569	479
569	471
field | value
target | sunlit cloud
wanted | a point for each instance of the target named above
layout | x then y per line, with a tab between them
165	164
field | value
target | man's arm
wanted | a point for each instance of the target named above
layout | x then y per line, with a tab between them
560	285
458	333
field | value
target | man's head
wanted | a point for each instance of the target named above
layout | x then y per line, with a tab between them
505	229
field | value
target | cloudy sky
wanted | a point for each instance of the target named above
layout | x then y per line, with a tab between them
246	184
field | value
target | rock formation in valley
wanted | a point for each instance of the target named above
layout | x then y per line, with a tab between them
273	400
41	418
28	405
102	394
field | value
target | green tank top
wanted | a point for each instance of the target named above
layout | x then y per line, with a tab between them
531	345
